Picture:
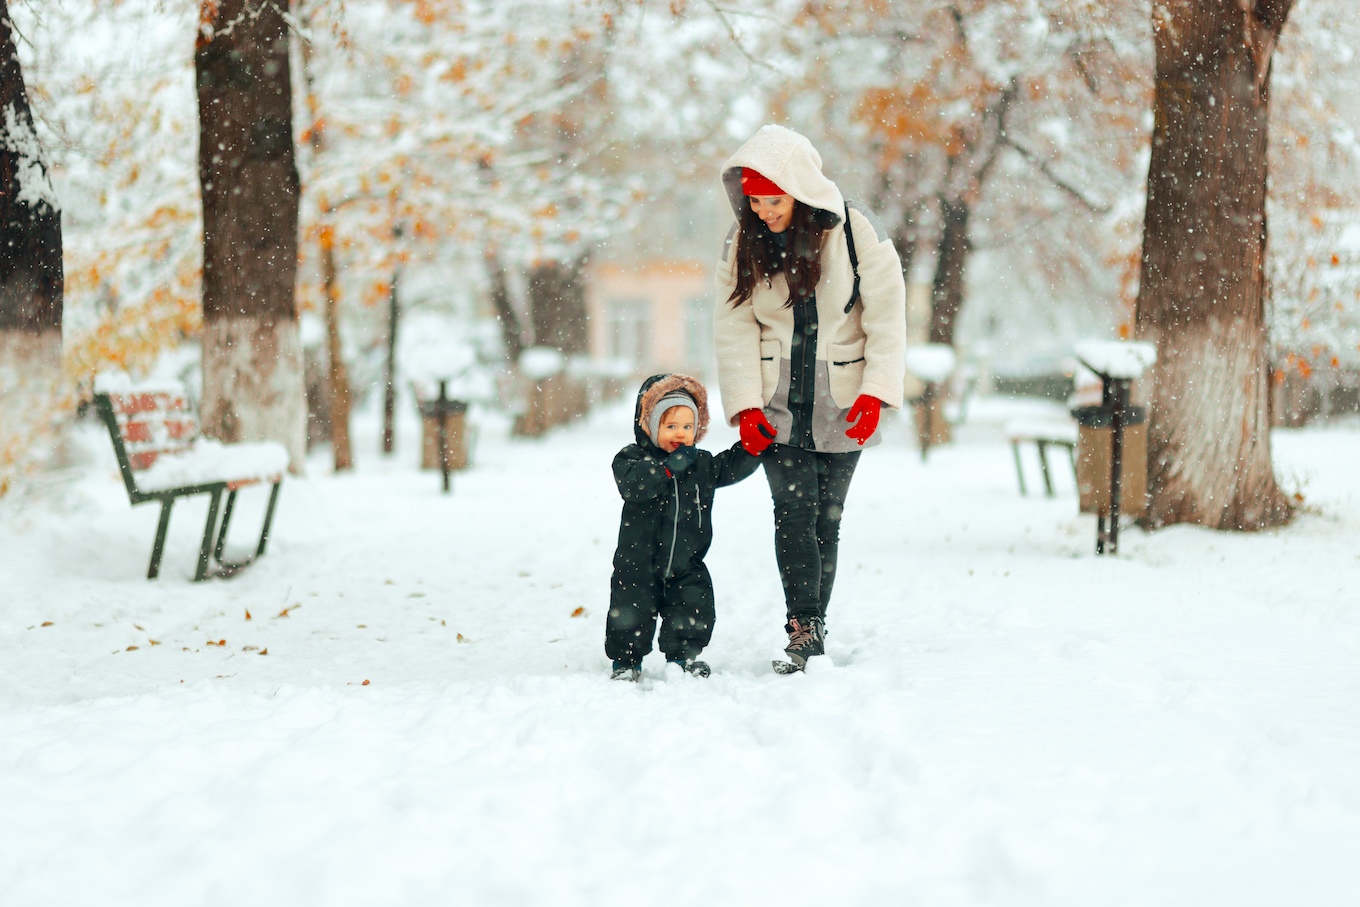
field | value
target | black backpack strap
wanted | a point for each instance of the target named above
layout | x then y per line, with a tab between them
854	260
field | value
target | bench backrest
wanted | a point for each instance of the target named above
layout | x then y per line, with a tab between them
145	424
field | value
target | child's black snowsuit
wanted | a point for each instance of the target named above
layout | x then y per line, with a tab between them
664	534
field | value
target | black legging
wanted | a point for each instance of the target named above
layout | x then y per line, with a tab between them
809	491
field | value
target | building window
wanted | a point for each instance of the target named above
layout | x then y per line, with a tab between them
630	330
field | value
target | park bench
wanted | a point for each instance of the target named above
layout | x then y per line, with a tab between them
162	457
1043	434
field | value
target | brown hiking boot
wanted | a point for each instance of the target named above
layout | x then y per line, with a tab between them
807	637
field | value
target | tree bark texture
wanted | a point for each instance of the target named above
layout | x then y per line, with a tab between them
557	298
252	362
30	281
1202	292
946	293
338	376
30	219
512	335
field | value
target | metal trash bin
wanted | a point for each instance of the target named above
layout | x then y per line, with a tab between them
1094	449
456	434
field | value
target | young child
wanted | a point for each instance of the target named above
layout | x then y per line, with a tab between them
667	486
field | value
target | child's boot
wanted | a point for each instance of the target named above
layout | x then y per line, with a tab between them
690	666
625	670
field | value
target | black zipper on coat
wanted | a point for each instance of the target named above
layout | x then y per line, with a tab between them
803	372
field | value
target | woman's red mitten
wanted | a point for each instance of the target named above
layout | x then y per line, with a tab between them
756	431
865	416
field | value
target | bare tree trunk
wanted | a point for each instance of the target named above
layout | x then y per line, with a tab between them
512	334
30	273
337	377
907	239
946	294
252	356
964	180
1202	292
557	299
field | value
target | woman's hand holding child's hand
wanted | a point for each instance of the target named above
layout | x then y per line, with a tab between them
682	458
865	414
756	431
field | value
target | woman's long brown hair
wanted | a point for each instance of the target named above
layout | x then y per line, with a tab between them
758	256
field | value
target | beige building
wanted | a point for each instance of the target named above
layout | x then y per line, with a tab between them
652	316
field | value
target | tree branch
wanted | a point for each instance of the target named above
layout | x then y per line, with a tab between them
1046	169
736	41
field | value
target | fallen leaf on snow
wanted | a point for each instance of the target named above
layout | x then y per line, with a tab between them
579	612
154	642
137	626
131	648
264	651
247	614
47	623
364	684
250	648
462	638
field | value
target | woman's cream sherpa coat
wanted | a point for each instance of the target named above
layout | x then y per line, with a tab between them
859	353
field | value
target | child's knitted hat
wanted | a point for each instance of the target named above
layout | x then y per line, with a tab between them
674	398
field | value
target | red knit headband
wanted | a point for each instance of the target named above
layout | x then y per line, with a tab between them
752	183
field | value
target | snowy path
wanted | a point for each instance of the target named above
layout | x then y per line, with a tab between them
1004	719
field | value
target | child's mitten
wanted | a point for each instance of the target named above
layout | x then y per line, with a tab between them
682	458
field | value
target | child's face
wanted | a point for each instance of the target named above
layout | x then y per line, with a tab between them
676	429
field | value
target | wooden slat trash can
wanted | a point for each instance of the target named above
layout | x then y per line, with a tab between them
1094	449
456	434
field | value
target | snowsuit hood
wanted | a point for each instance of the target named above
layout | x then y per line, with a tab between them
657	387
790	161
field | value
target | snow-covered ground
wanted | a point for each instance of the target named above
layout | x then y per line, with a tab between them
1003	719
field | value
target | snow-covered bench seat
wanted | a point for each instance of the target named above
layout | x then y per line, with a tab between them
161	457
1043	434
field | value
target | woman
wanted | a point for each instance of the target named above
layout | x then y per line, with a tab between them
810	346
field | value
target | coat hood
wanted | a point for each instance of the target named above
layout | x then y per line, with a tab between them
789	160
659	386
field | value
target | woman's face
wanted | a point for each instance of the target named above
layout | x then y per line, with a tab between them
775	210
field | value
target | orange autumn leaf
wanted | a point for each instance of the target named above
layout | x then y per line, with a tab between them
579	612
131	648
47	623
364	684
247	614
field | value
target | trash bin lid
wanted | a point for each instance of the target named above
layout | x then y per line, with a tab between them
1102	417
430	408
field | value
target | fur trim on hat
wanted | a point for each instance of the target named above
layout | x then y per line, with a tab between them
665	388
